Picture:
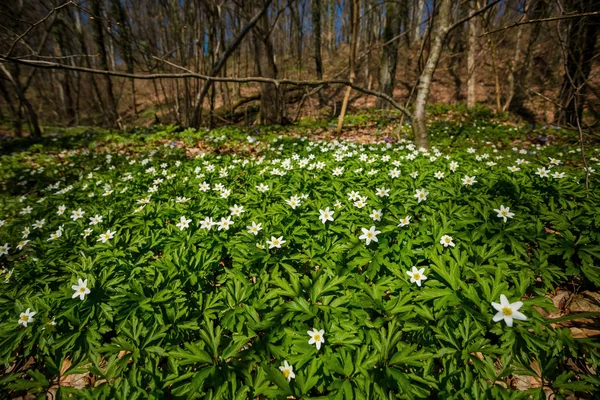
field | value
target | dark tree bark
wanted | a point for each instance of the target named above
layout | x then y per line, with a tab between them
125	41
389	55
581	38
271	100
316	22
36	130
522	73
111	103
351	62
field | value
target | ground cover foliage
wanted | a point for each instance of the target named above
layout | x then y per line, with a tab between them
157	265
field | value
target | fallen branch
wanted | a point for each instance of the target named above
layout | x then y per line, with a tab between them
193	75
535	21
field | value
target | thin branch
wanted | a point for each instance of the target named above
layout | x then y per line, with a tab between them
535	21
193	75
472	15
12	46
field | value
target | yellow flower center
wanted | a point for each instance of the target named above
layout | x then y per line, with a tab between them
286	372
447	240
24	318
82	290
507	311
7	276
317	337
417	276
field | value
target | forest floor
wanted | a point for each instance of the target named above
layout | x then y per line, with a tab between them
164	283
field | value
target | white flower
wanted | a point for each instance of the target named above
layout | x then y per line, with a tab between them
421	195
95	220
316	337
414	174
225	223
39	224
77	214
183	223
404	221
22	244
104	237
543	172
26	232
87	232
26	317
447	241
55	235
262	188
204	187
468	180
145	200
394	173
326	215
439	175
180	200
504	212
453	166
337	171
275	242
369	235
514	168
376	215
236	210
382	192
61	210
361	202
508	311
287	370
293	202
4	249
416	275
26	210
207	223
7	274
558	175
353	196
80	289
254	228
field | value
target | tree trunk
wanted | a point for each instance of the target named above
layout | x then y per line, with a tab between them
36	130
522	71
316	22
513	65
354	19
389	54
125	41
419	125
579	48
418	19
271	101
17	121
471	76
111	103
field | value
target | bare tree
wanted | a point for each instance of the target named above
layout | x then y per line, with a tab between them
578	49
419	118
389	55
